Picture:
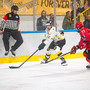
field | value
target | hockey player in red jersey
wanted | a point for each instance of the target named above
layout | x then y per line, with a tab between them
84	42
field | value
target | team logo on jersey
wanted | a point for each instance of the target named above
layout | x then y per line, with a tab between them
10	15
16	16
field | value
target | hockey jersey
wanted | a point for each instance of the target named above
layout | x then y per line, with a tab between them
53	35
85	39
11	20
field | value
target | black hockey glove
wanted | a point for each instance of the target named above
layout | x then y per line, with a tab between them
43	40
74	48
85	41
41	46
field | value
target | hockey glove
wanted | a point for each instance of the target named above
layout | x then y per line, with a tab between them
85	41
74	48
43	40
41	46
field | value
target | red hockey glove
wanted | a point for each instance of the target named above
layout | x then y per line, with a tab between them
74	48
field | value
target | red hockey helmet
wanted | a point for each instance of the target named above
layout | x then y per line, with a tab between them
79	25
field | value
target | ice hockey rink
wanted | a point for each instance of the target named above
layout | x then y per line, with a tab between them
51	76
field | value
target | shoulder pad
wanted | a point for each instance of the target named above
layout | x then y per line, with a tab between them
82	31
88	30
9	15
53	28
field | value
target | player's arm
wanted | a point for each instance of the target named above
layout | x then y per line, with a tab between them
87	36
18	22
51	37
47	40
74	48
3	23
85	33
80	46
83	43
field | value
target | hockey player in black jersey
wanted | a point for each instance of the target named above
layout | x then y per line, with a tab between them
11	23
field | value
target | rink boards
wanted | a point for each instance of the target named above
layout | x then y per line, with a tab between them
31	42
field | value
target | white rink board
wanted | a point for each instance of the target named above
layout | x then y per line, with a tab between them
32	41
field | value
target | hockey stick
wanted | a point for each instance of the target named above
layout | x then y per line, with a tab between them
62	55
16	67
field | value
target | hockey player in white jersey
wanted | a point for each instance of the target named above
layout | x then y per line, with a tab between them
56	41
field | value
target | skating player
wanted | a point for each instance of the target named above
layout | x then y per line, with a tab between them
84	42
11	22
55	40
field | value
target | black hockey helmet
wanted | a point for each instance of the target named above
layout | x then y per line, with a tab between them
14	7
48	23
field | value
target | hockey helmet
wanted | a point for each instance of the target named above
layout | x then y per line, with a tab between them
48	23
14	7
79	25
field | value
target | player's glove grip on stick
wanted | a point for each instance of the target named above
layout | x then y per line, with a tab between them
41	46
74	48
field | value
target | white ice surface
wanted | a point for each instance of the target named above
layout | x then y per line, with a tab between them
51	76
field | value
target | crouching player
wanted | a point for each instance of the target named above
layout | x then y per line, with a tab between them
55	40
84	42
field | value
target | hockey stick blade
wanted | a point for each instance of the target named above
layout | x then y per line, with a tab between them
13	67
16	67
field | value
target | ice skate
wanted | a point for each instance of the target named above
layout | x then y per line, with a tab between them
88	66
64	63
6	53
13	52
43	61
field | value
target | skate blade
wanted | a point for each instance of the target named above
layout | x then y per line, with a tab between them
88	67
65	64
11	55
42	61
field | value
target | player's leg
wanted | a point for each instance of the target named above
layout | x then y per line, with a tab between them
47	56
48	53
59	53
6	36
59	46
19	40
88	58
85	53
61	43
